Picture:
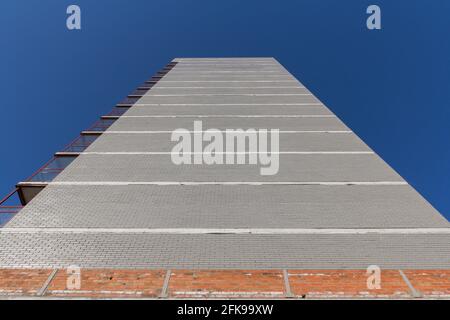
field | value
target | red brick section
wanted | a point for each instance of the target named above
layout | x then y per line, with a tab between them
97	283
345	284
226	283
315	284
430	283
23	282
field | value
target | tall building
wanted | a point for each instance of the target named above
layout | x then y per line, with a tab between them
115	200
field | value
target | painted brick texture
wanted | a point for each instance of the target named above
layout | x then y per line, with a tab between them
345	284
430	283
22	282
204	284
226	283
110	283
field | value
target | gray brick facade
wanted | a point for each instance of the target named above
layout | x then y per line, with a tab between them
328	180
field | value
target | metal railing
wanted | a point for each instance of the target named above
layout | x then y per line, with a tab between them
9	206
13	202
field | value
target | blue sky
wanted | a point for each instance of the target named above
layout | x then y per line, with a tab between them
392	86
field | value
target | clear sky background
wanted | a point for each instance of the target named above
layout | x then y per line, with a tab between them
392	87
